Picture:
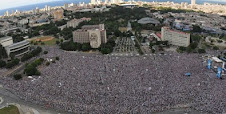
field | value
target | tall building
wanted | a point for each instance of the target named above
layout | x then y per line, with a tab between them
93	2
7	13
193	2
174	37
66	6
106	1
93	34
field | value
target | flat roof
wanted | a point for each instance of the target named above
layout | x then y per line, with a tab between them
18	44
217	59
3	38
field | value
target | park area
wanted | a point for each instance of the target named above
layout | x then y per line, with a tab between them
44	40
11	109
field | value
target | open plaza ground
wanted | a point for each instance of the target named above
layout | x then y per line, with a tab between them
91	83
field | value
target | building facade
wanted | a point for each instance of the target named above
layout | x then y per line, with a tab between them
6	41
15	49
75	22
174	37
93	34
58	14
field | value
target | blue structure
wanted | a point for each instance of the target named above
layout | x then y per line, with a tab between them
219	72
209	64
188	74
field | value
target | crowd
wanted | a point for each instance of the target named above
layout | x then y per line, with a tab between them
92	83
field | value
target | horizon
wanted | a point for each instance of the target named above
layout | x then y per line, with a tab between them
15	3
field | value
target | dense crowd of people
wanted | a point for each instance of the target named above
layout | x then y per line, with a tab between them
83	83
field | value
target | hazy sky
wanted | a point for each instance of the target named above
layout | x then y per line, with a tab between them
15	3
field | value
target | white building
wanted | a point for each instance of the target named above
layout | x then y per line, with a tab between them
6	41
176	38
75	22
193	2
15	49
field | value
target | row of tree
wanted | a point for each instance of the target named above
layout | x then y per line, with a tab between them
33	53
31	69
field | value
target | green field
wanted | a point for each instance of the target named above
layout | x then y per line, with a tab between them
11	109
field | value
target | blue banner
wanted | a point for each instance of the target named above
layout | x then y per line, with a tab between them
219	72
209	64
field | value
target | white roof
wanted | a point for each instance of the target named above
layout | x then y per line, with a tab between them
217	59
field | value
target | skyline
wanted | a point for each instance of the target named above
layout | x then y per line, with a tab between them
15	3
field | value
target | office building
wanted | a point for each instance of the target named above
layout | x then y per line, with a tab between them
6	41
93	2
15	49
193	2
93	34
174	37
75	22
58	14
66	6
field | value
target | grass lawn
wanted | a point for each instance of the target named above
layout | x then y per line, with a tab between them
9	110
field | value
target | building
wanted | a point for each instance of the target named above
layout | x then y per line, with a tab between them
58	14
6	41
93	34
66	6
93	2
174	37
148	20
15	49
193	2
75	22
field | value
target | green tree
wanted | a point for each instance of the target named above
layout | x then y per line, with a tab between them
2	63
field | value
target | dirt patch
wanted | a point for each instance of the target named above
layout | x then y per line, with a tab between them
44	39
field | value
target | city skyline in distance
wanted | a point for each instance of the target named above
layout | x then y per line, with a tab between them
18	3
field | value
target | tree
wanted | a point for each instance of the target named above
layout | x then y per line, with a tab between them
57	58
31	70
105	50
45	52
193	45
216	48
3	53
2	63
86	47
17	76
201	51
12	63
196	28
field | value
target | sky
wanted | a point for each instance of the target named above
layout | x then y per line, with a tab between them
4	4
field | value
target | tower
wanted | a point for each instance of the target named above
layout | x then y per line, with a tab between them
93	2
193	2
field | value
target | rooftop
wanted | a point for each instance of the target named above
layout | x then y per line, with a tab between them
3	38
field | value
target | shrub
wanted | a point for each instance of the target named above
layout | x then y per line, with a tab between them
2	63
31	70
201	51
47	63
45	52
42	43
57	58
17	76
12	63
216	48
